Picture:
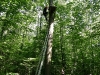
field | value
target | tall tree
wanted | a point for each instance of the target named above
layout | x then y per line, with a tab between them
50	37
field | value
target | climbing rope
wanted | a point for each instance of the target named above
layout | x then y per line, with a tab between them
42	58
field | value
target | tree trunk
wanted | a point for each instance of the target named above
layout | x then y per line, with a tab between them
49	50
49	44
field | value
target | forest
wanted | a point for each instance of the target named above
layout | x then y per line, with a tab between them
62	40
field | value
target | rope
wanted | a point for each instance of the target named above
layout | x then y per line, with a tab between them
41	61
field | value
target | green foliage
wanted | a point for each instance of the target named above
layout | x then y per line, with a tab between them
76	40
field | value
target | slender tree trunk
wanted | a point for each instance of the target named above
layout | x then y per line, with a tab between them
49	50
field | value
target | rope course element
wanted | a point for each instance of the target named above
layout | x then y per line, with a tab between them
42	56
